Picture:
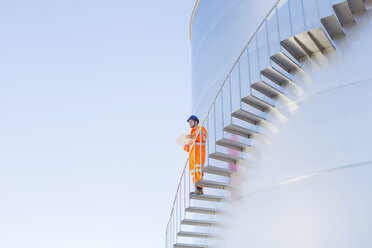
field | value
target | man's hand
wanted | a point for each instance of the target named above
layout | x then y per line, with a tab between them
190	136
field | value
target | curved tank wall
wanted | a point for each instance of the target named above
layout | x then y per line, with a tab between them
220	31
309	185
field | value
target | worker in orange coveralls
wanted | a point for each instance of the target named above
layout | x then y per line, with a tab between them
196	149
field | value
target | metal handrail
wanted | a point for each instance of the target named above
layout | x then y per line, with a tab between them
218	93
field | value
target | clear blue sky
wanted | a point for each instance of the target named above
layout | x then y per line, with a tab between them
93	95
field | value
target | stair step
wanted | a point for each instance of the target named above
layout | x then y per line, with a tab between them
343	13
284	61
194	234
260	101
238	145
356	6
180	245
193	222
202	210
239	130
230	158
248	116
225	154
293	48
321	39
204	197
234	141
306	42
368	4
218	170
211	184
267	89
275	75
332	26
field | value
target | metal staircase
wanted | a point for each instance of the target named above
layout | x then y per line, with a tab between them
272	57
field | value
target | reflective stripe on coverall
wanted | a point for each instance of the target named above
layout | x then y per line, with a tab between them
197	153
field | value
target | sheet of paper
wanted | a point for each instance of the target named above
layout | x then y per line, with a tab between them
182	140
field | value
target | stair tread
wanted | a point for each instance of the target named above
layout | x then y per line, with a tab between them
275	75
267	89
305	41
321	39
194	234
217	169
225	157
202	210
234	144
248	116
257	102
343	13
285	62
181	245
239	130
206	197
356	6
198	222
293	48
211	184
332	26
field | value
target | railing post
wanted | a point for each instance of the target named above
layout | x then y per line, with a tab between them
171	230
317	9
240	86
184	191
290	17
189	174
177	214
223	119
303	13
215	129
277	22
268	41
230	99
165	243
258	56
249	72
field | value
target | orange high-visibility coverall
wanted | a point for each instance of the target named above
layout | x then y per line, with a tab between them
197	152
